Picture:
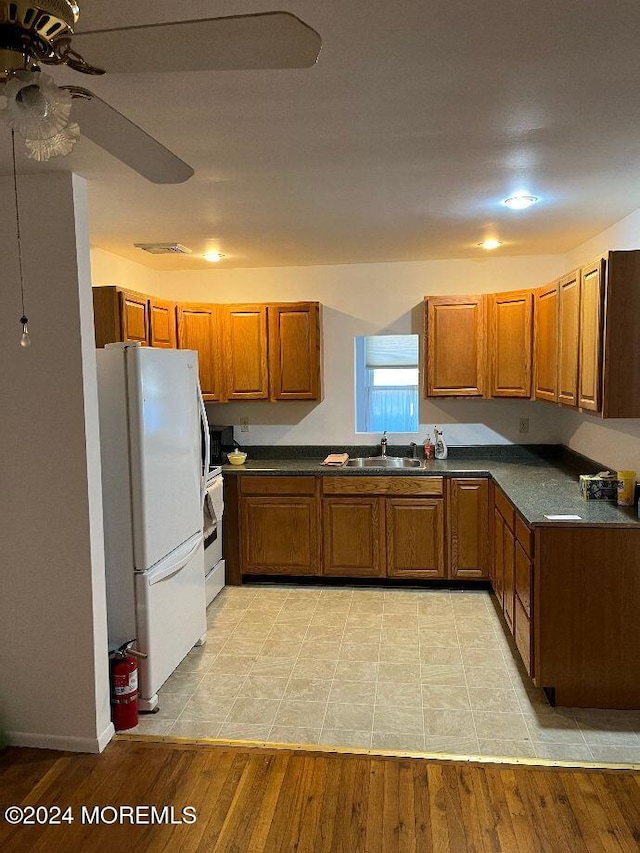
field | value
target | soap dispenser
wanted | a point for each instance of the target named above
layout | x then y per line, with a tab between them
441	451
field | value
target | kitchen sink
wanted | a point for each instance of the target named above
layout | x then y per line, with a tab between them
384	462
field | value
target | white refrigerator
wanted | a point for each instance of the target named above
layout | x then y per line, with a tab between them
152	423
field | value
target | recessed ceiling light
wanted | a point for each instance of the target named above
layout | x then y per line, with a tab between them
213	257
520	201
490	243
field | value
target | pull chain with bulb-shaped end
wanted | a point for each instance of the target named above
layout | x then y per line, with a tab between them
25	339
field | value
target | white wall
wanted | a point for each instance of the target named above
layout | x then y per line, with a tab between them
107	268
615	443
54	687
376	298
366	299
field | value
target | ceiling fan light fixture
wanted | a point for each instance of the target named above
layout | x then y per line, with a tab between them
59	145
33	106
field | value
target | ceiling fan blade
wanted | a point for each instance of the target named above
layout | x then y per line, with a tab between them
239	42
125	140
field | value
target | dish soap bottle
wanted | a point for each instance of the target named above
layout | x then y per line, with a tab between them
441	451
428	448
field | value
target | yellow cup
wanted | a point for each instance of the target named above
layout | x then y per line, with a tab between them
626	487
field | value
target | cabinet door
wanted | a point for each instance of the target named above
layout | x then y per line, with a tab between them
354	537
523	578
511	342
162	321
415	538
568	337
280	535
199	329
509	576
455	340
468	516
522	632
546	342
294	351
245	347
134	317
591	309
498	556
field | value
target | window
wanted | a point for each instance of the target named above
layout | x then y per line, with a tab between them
387	383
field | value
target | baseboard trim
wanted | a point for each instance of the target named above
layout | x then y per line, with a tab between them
63	743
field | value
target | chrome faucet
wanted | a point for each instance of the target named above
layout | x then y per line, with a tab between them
383	445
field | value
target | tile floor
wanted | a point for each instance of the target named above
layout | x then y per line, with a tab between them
415	670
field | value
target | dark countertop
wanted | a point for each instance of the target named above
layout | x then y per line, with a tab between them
536	486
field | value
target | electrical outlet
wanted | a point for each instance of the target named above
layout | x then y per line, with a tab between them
244	424
524	425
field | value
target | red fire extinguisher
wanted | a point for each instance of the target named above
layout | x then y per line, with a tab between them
124	686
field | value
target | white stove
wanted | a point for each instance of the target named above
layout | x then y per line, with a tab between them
214	567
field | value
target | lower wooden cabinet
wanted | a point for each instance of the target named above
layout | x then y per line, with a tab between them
354	542
280	535
468	527
415	538
512	578
523	635
498	555
509	556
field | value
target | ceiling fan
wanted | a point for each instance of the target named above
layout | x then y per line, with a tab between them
41	32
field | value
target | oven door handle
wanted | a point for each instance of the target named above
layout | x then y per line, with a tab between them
207	446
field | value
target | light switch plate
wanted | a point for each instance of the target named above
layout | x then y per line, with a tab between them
244	424
524	425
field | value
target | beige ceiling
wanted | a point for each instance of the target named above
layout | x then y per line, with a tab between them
420	116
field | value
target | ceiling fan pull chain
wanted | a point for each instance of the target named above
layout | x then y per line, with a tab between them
25	339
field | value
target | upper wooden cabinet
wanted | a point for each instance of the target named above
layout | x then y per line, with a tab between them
510	343
568	337
199	329
246	352
162	323
468	527
295	351
135	317
621	330
120	315
546	342
590	356
455	346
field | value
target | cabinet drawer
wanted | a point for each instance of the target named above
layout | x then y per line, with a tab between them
505	508
523	578
523	636
524	535
277	485
397	486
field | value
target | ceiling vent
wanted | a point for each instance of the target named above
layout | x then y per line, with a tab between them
163	248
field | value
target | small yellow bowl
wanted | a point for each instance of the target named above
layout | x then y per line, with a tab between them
237	458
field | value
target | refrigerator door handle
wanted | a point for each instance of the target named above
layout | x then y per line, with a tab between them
165	569
207	445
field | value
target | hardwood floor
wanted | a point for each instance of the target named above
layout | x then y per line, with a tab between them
267	800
